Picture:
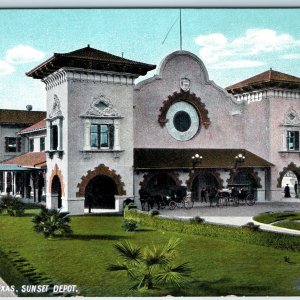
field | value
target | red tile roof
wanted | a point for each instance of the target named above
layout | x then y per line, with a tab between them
265	78
41	125
29	159
89	58
24	117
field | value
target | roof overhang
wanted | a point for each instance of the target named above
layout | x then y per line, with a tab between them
175	159
14	168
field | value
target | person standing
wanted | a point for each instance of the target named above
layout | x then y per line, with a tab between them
287	191
296	189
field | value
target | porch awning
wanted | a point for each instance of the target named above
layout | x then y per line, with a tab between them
13	168
182	159
30	160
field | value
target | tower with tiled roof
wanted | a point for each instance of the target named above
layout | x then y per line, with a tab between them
272	122
89	128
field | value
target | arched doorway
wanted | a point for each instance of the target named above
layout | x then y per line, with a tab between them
290	178
247	179
204	180
100	193
160	184
56	191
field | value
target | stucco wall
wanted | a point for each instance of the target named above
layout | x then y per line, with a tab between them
224	114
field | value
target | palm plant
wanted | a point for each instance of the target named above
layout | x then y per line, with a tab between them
151	267
50	222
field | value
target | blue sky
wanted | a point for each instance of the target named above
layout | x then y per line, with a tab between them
234	44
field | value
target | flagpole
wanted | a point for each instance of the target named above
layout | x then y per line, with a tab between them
180	29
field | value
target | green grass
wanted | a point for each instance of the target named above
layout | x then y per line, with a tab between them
288	220
269	218
220	267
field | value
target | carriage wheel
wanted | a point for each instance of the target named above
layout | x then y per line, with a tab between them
172	205
250	199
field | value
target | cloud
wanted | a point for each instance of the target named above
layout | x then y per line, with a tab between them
216	46
5	68
23	54
237	64
290	56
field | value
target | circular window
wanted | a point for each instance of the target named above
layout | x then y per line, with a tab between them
183	121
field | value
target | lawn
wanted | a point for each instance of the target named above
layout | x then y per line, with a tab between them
220	267
289	220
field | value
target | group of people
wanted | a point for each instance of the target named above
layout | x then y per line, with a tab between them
207	193
287	193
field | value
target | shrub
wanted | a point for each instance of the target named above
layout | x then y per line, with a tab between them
153	212
151	267
264	238
130	225
197	220
13	206
251	226
49	222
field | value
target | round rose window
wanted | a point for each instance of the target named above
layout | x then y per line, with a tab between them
183	121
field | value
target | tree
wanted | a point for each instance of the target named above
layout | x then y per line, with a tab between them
49	222
151	266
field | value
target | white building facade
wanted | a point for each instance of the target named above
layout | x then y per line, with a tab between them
109	139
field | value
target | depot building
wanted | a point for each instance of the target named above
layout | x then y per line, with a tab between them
108	138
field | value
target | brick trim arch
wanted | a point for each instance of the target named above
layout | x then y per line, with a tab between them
291	167
196	173
150	175
56	172
187	97
100	170
254	175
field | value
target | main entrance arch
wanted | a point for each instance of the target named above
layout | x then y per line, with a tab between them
100	193
247	178
56	191
205	180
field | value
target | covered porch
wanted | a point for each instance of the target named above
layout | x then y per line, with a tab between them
24	177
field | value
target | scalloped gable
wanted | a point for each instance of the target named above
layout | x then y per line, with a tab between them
191	68
166	63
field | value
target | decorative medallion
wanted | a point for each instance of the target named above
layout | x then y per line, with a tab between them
185	84
291	117
101	106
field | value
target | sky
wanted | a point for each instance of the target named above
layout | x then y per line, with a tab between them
234	44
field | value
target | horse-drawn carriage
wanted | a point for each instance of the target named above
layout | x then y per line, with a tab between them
176	196
236	194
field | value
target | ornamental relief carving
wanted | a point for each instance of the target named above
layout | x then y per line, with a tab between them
55	111
101	106
291	117
187	97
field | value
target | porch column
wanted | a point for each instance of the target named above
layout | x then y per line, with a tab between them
5	181
14	183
